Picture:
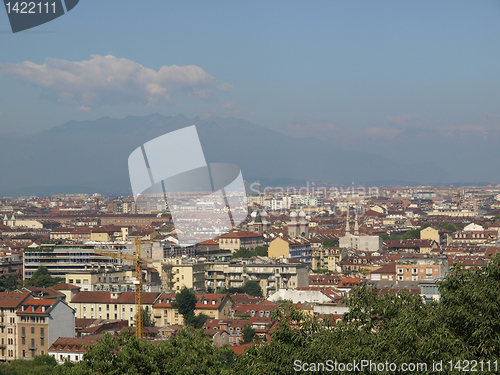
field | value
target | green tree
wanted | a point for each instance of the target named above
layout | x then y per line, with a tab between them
185	303
147	317
252	287
188	352
329	243
41	278
448	226
197	321
10	282
470	306
248	334
261	251
242	252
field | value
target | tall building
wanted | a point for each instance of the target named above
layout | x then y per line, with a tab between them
40	322
9	303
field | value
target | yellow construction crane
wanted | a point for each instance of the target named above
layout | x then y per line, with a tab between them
138	261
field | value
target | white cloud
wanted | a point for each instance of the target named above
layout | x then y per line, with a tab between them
407	120
107	80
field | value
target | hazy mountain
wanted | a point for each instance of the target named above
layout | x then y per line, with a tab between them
91	156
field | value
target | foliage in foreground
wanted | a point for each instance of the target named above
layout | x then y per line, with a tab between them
397	328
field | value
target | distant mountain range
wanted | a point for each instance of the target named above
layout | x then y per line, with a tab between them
91	156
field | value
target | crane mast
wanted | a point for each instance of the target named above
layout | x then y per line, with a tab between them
138	288
138	282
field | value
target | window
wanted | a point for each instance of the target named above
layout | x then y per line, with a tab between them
32	329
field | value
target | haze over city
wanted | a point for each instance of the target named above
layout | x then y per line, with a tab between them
416	83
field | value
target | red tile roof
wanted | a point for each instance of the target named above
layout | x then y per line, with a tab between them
105	297
37	306
240	235
12	299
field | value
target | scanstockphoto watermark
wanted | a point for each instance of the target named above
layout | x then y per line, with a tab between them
336	200
358	366
391	367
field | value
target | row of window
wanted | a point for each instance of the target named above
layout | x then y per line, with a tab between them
84	308
108	316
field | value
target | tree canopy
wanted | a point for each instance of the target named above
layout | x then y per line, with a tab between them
185	303
41	278
252	287
392	327
243	252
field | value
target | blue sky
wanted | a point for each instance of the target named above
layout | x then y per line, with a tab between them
306	67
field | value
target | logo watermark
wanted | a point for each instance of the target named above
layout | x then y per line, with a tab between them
24	15
204	199
335	201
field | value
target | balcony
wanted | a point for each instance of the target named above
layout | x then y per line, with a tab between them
32	347
2	324
23	335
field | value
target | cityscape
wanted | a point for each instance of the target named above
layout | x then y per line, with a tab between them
221	188
309	246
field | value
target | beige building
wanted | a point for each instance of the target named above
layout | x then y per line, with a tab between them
176	273
216	306
110	305
297	248
9	303
271	275
40	322
236	240
430	233
108	280
326	258
417	269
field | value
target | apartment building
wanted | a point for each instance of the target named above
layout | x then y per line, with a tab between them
110	305
179	272
361	242
326	258
417	269
61	260
236	240
115	280
216	306
40	322
271	275
290	249
9	304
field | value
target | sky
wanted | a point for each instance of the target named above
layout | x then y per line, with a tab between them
309	68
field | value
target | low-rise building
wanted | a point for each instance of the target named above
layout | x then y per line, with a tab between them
110	305
216	306
235	240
